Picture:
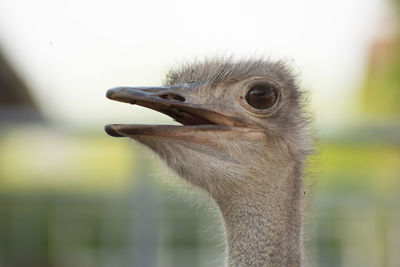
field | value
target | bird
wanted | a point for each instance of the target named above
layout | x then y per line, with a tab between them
244	138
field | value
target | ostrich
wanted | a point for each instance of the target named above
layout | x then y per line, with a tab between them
244	139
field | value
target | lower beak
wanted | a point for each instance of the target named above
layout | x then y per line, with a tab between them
173	102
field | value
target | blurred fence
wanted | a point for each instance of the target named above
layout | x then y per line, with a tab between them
85	231
70	230
355	230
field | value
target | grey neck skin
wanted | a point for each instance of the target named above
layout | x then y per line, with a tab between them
265	229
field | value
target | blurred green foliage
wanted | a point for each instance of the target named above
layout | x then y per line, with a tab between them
43	159
359	167
381	91
40	160
381	94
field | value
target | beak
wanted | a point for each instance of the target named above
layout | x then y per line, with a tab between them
172	101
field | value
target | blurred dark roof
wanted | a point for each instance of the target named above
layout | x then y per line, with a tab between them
16	103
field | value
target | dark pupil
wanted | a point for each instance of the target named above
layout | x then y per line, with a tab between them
262	96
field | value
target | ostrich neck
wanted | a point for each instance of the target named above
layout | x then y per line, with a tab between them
264	227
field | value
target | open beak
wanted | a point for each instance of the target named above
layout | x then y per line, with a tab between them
172	101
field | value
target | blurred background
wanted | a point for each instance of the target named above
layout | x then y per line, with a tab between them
72	196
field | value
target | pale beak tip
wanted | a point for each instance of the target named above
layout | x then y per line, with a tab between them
111	131
110	93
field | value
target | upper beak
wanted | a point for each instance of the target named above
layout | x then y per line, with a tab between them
172	101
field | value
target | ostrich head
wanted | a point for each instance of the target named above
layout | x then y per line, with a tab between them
242	125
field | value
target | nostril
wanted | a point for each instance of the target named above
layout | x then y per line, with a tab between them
172	97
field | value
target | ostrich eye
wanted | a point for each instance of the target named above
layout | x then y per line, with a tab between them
262	96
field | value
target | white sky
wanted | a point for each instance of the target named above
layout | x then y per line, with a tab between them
70	52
